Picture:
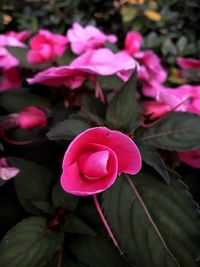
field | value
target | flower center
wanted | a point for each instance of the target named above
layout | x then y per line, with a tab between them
93	165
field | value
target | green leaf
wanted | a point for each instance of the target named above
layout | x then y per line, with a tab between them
96	252
29	244
61	199
2	182
21	54
15	100
67	130
75	225
178	132
93	105
152	158
111	82
155	224
66	58
33	183
44	206
122	112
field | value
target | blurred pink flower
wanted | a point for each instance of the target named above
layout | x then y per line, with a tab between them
46	46
8	61
29	118
188	63
191	158
83	39
153	109
10	80
87	66
133	42
151	71
20	36
7	172
95	158
188	94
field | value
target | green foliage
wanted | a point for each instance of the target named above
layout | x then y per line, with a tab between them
122	113
67	130
29	243
155	224
33	183
179	131
97	253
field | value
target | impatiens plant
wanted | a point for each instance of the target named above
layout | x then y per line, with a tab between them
102	149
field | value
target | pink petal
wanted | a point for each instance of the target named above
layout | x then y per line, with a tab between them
129	158
6	173
94	165
191	158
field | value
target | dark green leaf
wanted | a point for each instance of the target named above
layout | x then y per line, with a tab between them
61	199
152	158
179	131
75	225
33	183
14	100
97	252
110	82
93	105
155	224
44	206
66	58
122	112
29	244
2	182
67	130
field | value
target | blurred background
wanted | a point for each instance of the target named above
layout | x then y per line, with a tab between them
170	27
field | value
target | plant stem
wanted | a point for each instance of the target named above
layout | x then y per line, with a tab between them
103	219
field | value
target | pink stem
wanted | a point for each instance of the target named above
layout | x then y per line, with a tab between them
103	219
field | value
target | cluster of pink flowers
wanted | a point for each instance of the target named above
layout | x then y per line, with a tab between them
93	59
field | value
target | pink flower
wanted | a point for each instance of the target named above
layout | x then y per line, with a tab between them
188	63
29	118
150	67
153	109
20	36
95	158
7	172
87	66
46	46
8	61
83	39
133	42
186	94
151	89
11	79
191	158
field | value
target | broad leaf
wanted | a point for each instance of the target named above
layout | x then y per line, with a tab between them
97	252
122	112
111	82
29	244
155	224
179	131
75	225
68	129
61	199
33	183
152	158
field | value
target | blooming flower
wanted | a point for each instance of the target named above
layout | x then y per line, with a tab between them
29	118
133	42
46	46
95	158
191	158
7	172
89	65
83	39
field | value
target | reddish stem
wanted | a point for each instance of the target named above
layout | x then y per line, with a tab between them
103	219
